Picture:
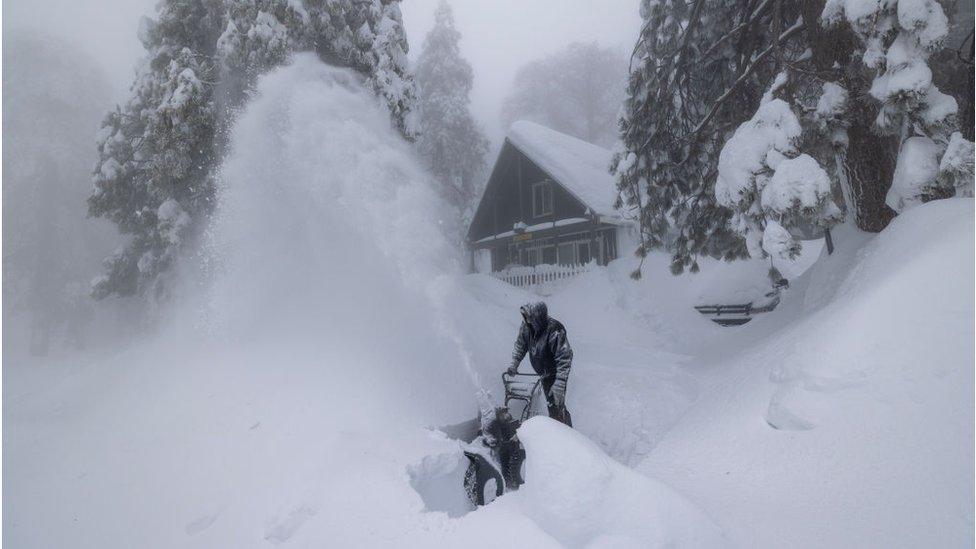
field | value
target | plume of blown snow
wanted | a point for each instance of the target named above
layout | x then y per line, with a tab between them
327	240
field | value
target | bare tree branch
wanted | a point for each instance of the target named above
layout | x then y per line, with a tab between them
756	14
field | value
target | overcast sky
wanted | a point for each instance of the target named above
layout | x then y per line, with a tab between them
498	35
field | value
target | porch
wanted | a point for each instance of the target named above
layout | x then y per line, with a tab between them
563	244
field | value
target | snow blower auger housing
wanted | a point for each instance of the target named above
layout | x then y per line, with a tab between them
496	455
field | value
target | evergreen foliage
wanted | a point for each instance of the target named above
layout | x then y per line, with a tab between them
691	80
450	140
721	94
158	151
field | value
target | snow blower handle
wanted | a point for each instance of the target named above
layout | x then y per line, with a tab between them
510	375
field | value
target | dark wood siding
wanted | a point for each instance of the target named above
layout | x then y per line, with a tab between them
508	197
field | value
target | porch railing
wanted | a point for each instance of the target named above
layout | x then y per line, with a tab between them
539	274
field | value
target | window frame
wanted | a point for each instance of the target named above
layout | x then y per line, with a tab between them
577	241
570	247
545	186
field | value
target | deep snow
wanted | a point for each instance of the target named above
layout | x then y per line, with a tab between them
288	401
852	426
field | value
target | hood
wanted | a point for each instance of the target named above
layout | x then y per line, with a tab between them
536	315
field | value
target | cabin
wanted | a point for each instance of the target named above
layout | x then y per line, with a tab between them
547	206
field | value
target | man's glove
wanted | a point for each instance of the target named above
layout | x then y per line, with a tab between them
558	393
512	370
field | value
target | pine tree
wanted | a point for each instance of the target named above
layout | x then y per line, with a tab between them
158	152
897	39
365	35
773	189
388	65
852	88
691	80
259	35
450	139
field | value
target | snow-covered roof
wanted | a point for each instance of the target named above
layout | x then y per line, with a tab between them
581	167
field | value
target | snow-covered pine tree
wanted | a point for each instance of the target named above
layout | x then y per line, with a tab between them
692	79
956	166
365	35
700	68
158	151
388	66
258	35
450	139
774	190
896	40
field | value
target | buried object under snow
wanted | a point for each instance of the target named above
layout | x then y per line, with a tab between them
495	455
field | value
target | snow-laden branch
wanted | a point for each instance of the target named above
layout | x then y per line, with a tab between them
786	35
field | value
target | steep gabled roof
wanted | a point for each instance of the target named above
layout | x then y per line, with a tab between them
581	167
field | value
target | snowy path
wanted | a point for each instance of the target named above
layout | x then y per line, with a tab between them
624	392
636	369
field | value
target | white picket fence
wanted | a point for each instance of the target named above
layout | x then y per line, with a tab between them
539	275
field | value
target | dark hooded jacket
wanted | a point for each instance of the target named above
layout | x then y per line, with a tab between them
543	338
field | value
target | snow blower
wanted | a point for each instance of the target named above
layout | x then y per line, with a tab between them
496	455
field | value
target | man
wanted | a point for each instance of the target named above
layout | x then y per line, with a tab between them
544	339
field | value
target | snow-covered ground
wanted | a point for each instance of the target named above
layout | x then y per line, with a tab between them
852	424
289	399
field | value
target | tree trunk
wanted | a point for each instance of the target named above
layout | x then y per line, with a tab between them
869	165
869	161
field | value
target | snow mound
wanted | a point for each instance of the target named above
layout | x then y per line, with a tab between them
915	173
584	498
798	183
858	414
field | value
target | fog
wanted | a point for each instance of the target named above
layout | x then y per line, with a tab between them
106	29
497	37
100	38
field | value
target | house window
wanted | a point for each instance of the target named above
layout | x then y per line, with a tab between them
549	255
499	258
610	243
583	252
538	255
575	252
529	257
567	253
542	198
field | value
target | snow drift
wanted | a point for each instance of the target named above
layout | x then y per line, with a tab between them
583	498
852	426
